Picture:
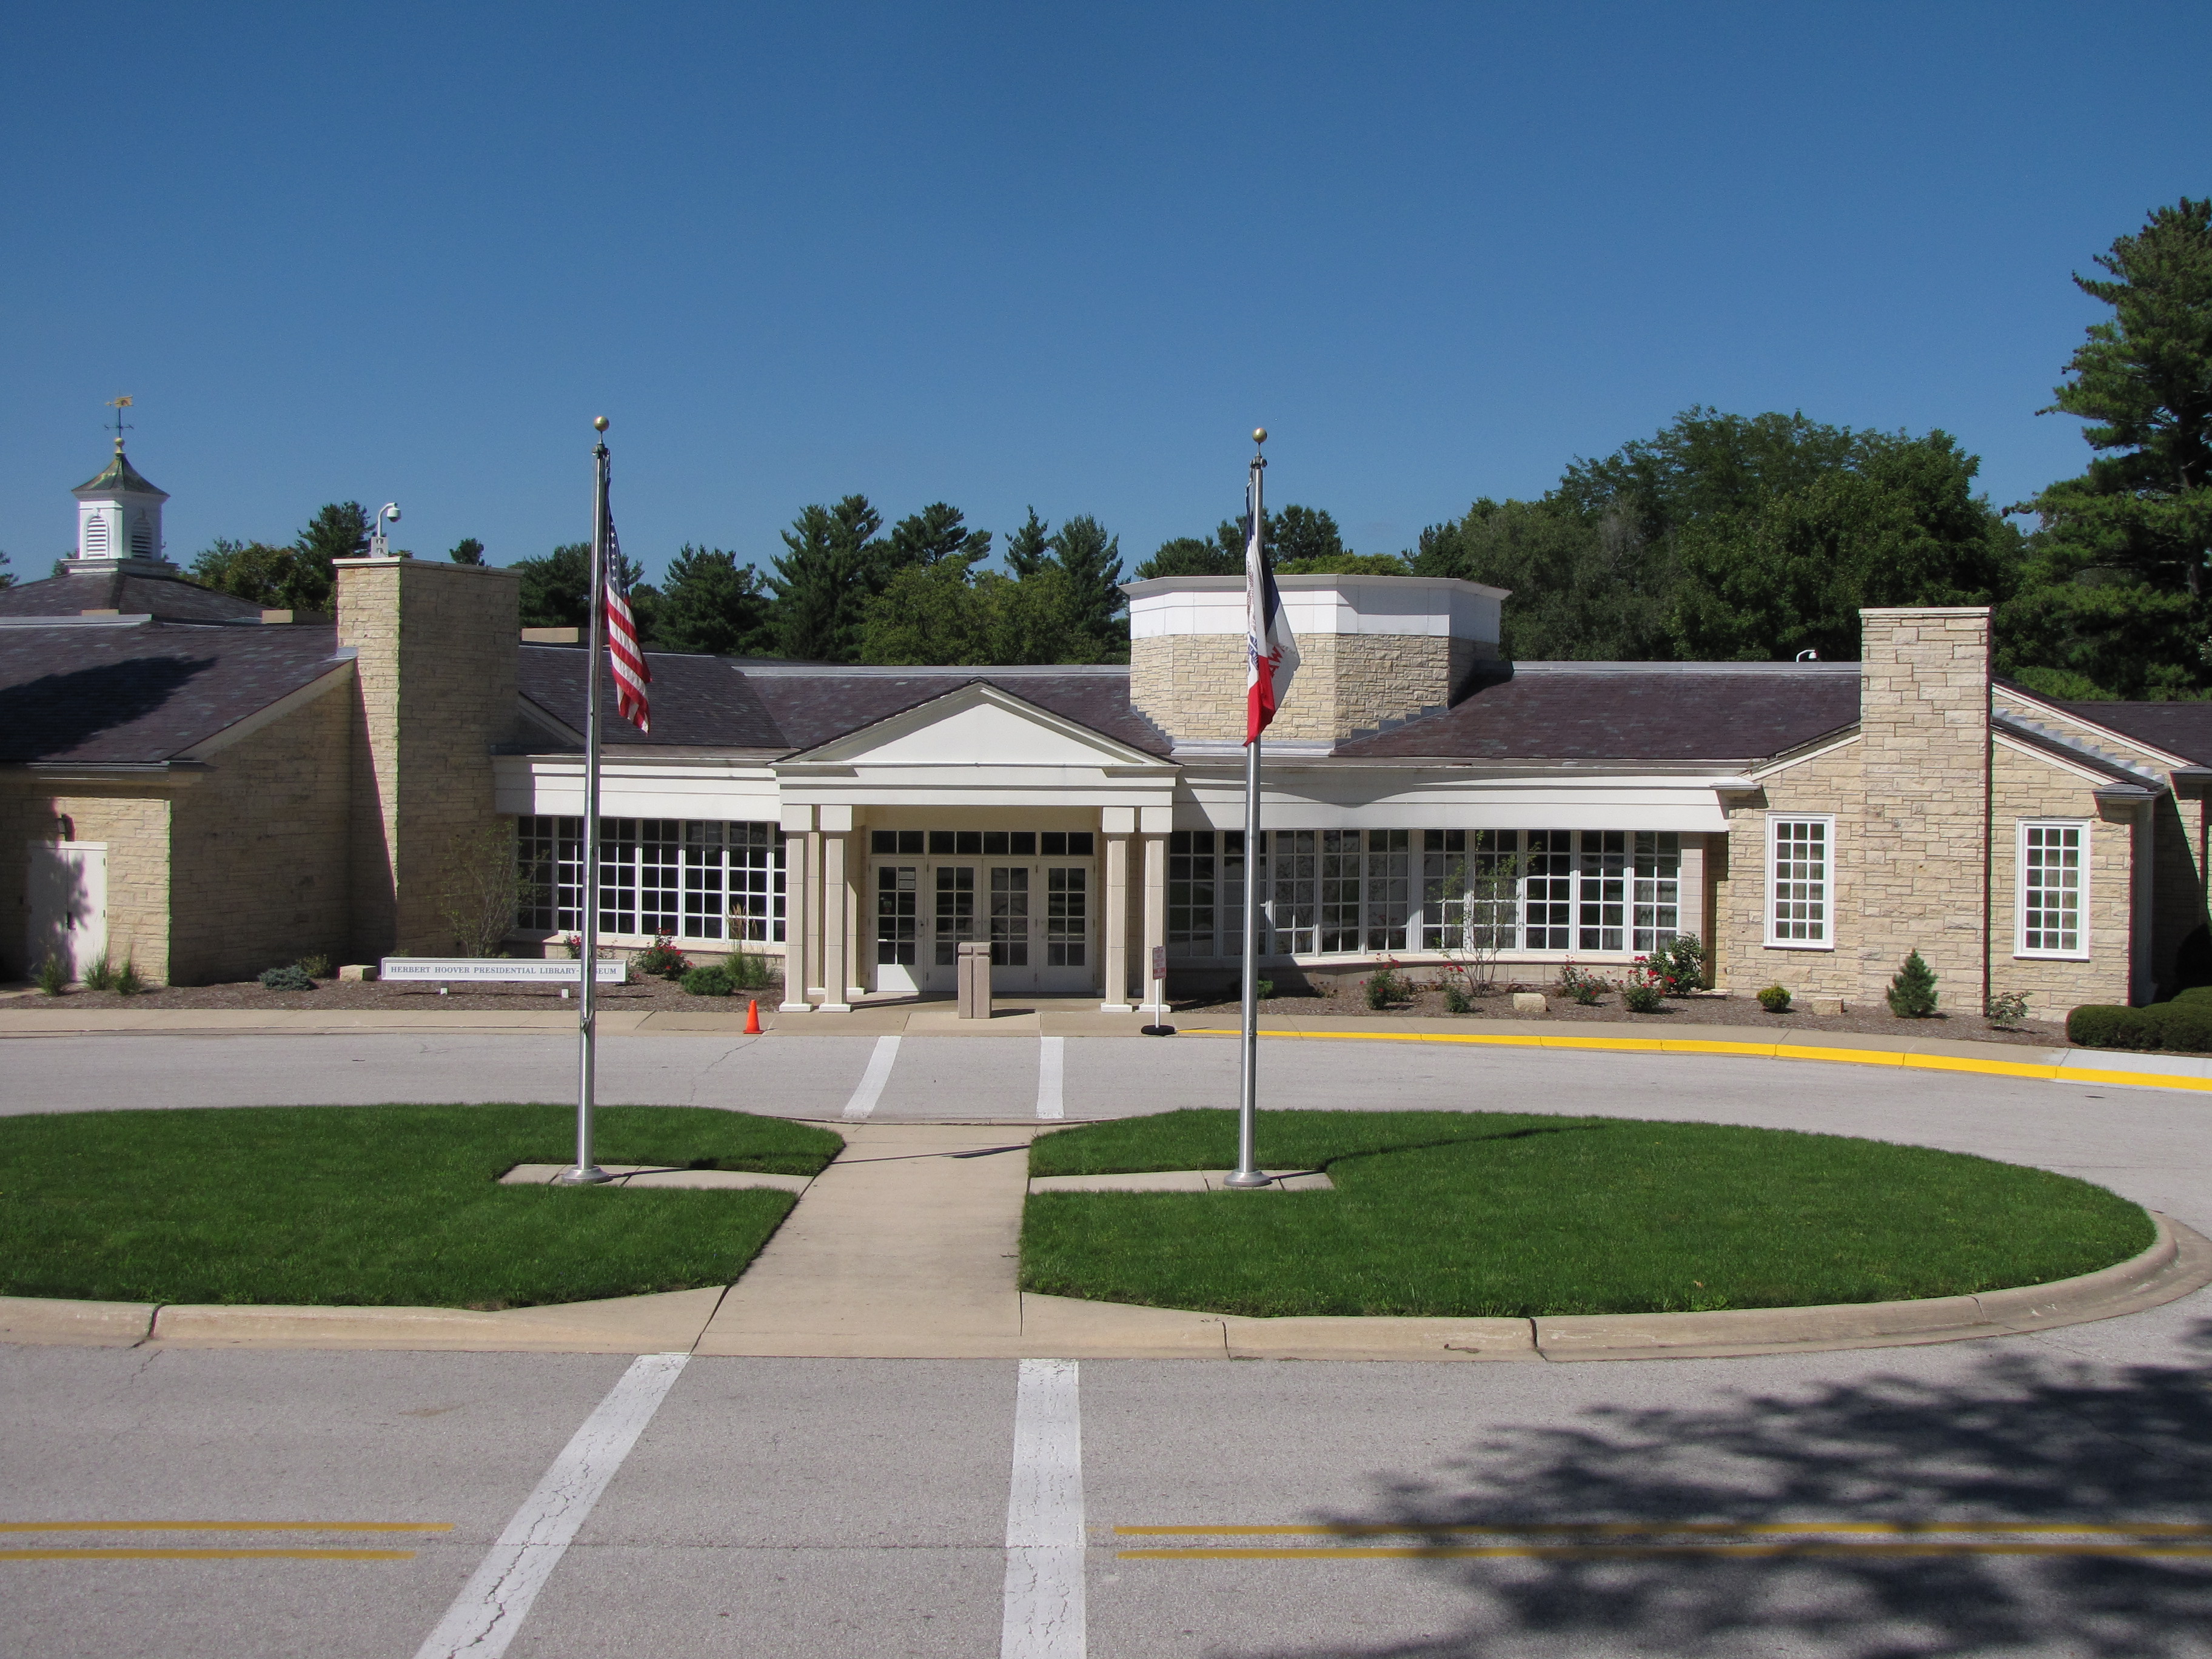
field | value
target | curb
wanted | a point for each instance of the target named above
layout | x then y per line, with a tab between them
2063	1066
2177	1262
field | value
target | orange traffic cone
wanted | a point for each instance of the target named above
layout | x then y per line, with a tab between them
752	1017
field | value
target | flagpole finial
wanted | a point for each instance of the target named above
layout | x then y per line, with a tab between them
1259	434
599	424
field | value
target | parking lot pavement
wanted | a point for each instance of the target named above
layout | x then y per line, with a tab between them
938	1078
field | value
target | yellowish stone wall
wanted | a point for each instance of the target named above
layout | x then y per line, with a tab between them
437	645
260	844
134	825
1830	781
1192	685
2027	786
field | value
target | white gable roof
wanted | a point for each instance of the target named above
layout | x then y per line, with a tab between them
978	724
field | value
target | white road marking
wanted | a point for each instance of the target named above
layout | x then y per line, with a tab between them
1051	1072
492	1605
1043	1613
871	1089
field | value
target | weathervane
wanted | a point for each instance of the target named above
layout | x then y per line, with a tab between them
118	404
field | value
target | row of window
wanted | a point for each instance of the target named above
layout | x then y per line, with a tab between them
983	844
696	879
2051	897
1327	891
1062	932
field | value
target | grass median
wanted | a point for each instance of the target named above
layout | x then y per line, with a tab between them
1466	1214
378	1205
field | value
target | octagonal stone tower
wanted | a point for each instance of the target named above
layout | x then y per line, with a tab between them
1374	652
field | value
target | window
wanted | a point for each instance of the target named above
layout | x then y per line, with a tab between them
1798	855
701	880
1067	915
2053	880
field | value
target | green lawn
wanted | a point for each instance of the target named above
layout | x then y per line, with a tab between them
391	1205
1471	1213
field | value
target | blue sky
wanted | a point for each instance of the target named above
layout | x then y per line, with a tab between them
1006	254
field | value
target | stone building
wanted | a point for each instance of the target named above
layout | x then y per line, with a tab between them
212	789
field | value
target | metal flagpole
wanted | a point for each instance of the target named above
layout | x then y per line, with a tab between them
586	1172
1248	1172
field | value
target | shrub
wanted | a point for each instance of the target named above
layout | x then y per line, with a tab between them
1643	997
1581	984
713	982
661	959
1680	965
1775	999
127	983
1456	1000
2194	993
2008	1008
1912	993
315	966
573	944
1384	987
54	978
2103	1025
2183	1025
99	976
748	972
287	978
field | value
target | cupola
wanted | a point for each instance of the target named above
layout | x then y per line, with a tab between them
118	521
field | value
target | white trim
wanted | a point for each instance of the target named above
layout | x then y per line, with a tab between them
1827	900
2080	952
2164	757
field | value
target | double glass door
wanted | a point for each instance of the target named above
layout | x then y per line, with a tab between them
1036	915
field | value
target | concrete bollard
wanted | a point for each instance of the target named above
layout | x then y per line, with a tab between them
973	978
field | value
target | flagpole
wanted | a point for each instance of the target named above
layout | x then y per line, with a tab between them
1248	1172
586	1172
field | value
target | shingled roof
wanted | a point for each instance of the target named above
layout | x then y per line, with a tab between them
165	598
1662	712
697	702
2179	728
140	694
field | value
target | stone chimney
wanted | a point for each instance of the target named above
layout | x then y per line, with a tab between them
1374	652
1922	859
434	669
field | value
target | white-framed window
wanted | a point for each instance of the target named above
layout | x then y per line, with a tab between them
698	880
1800	881
2054	888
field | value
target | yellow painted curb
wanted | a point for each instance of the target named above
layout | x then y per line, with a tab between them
1898	1057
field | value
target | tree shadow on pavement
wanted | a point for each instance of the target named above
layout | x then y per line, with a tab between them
2020	1438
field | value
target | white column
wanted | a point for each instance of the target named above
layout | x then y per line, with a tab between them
1116	824
835	904
801	880
1156	895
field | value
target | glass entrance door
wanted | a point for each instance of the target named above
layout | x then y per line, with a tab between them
1037	914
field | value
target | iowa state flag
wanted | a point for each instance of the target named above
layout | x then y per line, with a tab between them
1271	650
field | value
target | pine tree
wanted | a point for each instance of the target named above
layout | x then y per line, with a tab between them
1188	555
822	585
339	530
556	590
936	533
467	550
1092	561
1912	993
1029	546
710	604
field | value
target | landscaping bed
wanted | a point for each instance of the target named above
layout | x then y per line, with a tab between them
378	1205
1678	1012
1519	1215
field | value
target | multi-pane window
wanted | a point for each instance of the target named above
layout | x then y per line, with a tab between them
694	879
1009	916
2053	880
1798	873
1067	915
898	920
1343	892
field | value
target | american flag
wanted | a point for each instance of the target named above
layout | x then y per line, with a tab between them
623	656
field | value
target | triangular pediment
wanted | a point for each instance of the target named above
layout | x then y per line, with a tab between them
978	724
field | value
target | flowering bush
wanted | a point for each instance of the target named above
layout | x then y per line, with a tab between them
1581	984
1643	991
662	958
573	944
1680	965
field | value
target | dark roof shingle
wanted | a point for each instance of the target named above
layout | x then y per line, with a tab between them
2179	728
164	598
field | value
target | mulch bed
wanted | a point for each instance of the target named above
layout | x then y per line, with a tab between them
649	996
1498	1007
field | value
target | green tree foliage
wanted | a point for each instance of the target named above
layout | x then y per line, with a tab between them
1090	560
711	604
821	584
556	590
1028	546
1187	555
936	533
277	577
468	550
1585	587
945	614
339	531
2117	600
7	576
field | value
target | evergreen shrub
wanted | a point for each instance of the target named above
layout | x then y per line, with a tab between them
1775	999
290	977
712	981
1912	993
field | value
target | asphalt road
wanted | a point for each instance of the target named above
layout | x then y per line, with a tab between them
796	1507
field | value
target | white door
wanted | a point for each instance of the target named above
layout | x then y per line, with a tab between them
68	893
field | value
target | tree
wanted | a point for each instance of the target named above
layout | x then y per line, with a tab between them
1187	555
556	590
711	604
1092	561
275	577
1028	546
1583	588
2118	597
8	576
468	550
949	615
822	584
482	887
339	531
1299	535
936	533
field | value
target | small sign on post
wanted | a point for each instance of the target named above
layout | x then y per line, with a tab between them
1159	1027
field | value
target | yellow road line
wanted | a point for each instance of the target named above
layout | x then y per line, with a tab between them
1758	1050
205	1555
226	1526
1816	1551
1724	1529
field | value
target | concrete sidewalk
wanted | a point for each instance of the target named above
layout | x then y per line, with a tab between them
1012	1019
